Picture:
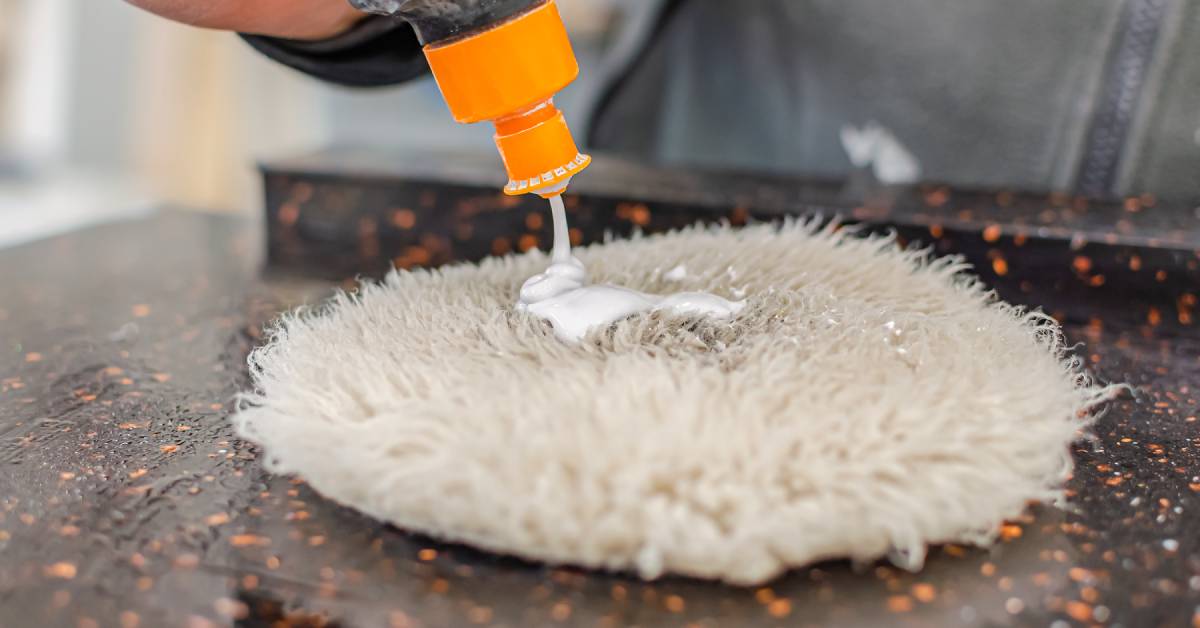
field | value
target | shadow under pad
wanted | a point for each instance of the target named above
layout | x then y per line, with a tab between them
124	494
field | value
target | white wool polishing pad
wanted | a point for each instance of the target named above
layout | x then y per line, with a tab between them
866	402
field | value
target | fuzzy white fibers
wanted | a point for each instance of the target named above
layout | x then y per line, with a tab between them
867	402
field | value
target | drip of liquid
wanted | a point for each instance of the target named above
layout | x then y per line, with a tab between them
561	295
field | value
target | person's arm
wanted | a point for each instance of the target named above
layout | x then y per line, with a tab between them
327	39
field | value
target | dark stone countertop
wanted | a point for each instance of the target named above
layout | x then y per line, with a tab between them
125	500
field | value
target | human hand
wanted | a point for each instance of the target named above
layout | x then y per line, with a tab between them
292	19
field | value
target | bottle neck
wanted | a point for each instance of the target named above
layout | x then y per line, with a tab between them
526	118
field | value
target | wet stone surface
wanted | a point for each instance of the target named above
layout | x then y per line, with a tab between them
125	500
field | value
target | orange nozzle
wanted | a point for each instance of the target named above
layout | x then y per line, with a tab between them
509	74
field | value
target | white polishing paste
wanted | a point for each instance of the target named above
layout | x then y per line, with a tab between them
865	402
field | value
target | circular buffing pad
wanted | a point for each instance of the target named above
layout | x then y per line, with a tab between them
865	403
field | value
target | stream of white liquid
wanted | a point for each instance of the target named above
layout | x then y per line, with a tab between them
561	295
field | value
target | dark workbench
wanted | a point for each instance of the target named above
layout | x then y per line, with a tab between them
126	501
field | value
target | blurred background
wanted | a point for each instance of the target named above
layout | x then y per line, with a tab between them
106	111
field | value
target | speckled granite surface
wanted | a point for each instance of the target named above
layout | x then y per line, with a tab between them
126	501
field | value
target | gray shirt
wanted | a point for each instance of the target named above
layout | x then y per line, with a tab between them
1093	96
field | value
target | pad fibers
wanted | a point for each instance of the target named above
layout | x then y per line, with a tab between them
867	402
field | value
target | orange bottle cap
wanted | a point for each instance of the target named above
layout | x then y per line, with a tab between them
506	68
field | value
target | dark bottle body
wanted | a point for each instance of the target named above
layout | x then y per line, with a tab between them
438	20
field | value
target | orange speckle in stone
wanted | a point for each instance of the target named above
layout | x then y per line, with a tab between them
936	231
1114	481
316	540
534	221
1079	611
764	595
956	551
1133	204
561	611
169	449
501	246
1079	574
924	592
1154	317
440	585
1010	531
289	213
137	474
145	583
1194	486
231	609
141	310
161	377
273	562
427	554
1096	281
991	233
247	540
129	619
899	604
1000	266
779	608
937	197
1135	263
404	218
1160	276
62	570
987	569
1081	263
640	215
480	615
575	236
419	255
218	519
675	604
69	530
66	475
527	242
33	356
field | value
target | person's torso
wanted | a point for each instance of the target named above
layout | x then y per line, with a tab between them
1094	96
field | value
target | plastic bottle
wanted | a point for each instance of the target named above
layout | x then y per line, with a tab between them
502	61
